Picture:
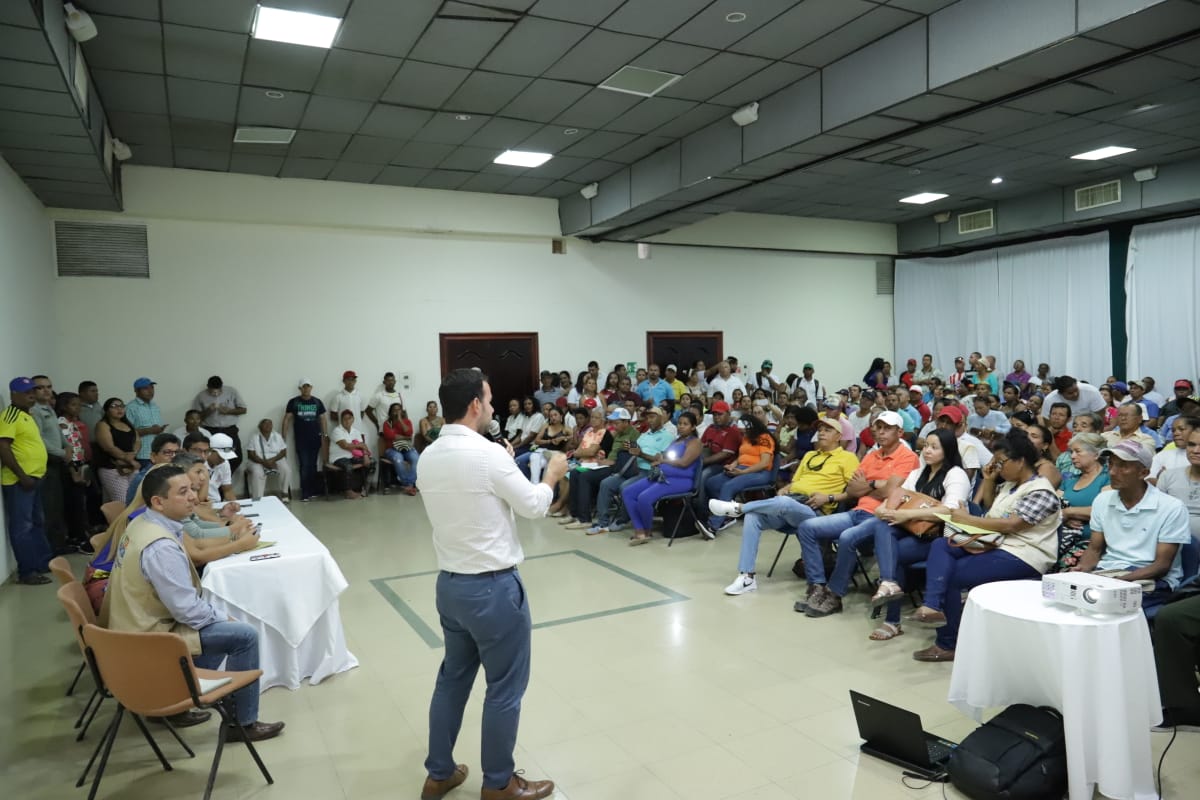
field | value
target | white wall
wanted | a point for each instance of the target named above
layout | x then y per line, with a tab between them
254	301
27	316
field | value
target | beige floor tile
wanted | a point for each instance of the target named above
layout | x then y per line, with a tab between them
584	759
632	784
707	773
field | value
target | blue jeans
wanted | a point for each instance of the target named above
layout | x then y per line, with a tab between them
404	462
702	496
522	460
775	513
307	454
896	548
725	487
485	620
851	529
614	484
235	643
585	485
950	570
27	529
641	495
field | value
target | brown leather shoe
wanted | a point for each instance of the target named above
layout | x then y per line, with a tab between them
185	719
933	653
519	789
433	789
255	731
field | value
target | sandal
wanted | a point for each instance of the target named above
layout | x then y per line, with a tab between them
885	631
887	592
634	541
926	617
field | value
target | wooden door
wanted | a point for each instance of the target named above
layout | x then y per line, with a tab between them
510	360
683	348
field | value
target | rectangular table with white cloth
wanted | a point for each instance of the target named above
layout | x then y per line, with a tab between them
1013	647
292	600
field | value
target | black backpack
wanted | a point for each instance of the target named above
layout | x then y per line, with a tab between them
1020	754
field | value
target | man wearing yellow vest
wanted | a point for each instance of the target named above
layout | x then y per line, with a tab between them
154	587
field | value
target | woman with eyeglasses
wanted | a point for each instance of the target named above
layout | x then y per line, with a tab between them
1024	509
817	486
943	478
115	453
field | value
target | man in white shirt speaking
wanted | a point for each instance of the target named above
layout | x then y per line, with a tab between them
471	488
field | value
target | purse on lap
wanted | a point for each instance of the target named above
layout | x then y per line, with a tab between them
902	499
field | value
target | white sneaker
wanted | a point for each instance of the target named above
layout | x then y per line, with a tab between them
725	508
744	583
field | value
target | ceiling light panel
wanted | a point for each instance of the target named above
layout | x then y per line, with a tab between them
522	158
922	198
295	27
1103	152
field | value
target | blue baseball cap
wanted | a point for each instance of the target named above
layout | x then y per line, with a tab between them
142	383
21	385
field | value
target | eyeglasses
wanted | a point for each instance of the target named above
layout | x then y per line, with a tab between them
1000	462
117	405
169	452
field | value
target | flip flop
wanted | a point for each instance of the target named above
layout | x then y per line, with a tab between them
885	631
636	540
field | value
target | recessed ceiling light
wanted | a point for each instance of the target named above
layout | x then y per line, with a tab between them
922	198
1103	152
522	158
1144	107
997	180
295	27
274	94
735	16
570	131
462	117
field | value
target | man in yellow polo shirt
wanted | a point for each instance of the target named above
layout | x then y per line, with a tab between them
23	460
819	484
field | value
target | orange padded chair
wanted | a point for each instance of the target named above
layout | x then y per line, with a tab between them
152	675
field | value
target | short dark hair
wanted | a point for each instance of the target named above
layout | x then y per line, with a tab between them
215	382
85	385
162	440
807	415
156	482
1061	405
458	390
192	438
1064	382
690	417
595	364
39	378
1016	444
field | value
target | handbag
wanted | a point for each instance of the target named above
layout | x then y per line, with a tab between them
902	499
973	542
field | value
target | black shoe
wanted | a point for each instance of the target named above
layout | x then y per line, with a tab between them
85	547
34	579
185	719
255	731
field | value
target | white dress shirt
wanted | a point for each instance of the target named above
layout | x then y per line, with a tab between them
471	488
267	446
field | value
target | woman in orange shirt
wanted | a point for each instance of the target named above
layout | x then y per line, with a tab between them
751	470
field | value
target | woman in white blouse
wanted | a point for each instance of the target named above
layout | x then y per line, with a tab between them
347	450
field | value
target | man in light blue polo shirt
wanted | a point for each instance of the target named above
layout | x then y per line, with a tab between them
144	414
654	389
1136	529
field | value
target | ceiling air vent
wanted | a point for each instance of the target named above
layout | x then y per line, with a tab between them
101	250
976	221
1102	194
885	277
639	80
263	136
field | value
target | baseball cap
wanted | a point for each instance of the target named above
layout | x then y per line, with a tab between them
808	365
142	383
655	410
672	367
20	385
890	418
619	413
1120	386
917	389
832	401
304	382
589	402
832	423
1129	450
349	374
720	407
912	362
959	358
1183	383
952	413
561	402
222	445
768	364
1137	382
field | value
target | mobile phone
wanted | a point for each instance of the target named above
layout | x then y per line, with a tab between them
264	556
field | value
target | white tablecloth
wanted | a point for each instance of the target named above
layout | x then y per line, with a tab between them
291	600
1097	670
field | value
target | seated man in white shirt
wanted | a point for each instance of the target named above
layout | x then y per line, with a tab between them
220	478
1129	427
266	453
1080	397
725	381
1137	530
986	421
191	424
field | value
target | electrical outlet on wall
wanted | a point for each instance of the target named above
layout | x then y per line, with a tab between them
405	381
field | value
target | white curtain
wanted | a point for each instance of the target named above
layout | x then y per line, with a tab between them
1046	301
1162	288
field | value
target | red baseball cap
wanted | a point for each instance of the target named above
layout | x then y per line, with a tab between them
349	374
952	413
720	407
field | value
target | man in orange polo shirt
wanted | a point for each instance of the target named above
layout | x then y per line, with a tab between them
882	470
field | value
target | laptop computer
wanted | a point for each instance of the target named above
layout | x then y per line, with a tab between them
896	735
